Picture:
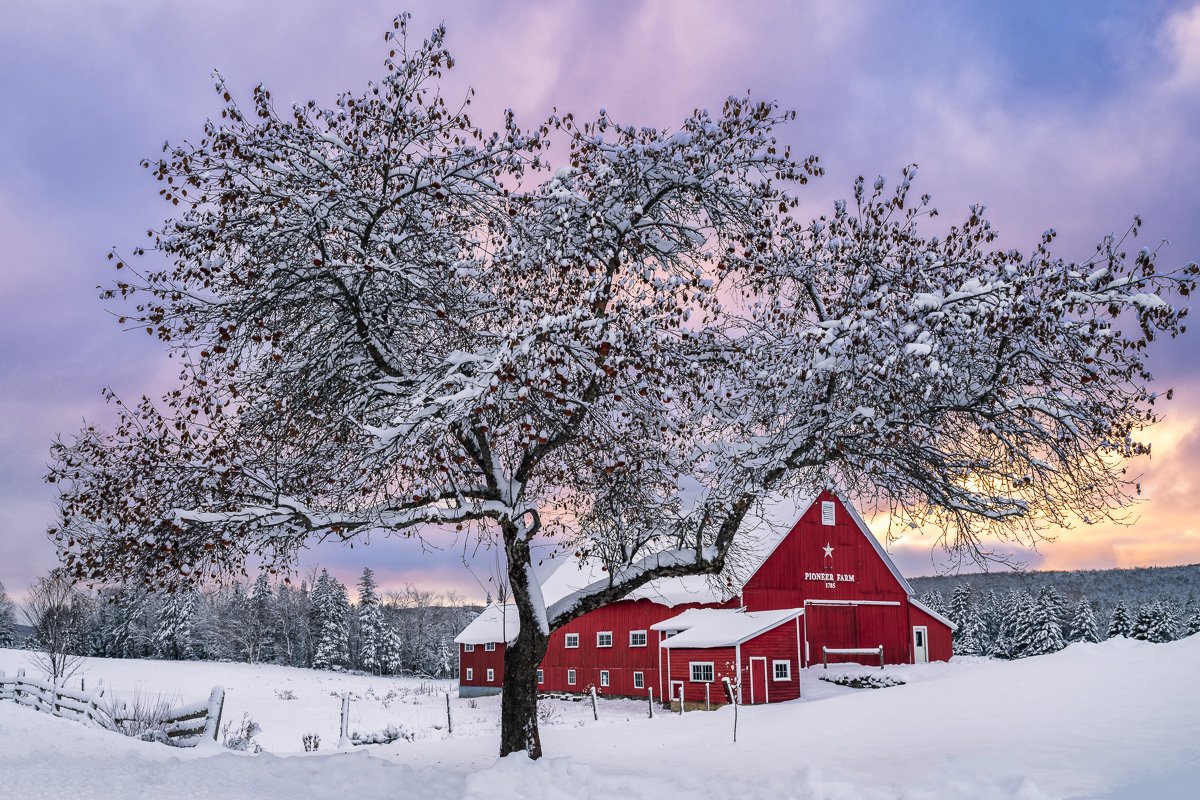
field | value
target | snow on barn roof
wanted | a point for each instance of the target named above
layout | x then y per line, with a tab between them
710	627
576	574
497	623
931	612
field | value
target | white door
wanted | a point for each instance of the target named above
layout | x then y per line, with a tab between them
677	692
920	645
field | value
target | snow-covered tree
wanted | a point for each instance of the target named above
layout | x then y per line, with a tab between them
330	615
424	329
1083	623
1155	622
964	613
8	619
936	601
1120	624
1192	626
1018	632
372	629
1045	630
173	634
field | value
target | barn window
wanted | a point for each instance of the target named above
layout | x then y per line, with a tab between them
491	675
783	670
604	677
571	677
702	671
637	638
604	639
468	648
470	674
572	641
639	680
490	646
541	677
826	512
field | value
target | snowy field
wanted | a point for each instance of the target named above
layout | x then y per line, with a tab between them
1115	720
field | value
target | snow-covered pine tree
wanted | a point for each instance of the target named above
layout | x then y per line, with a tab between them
173	633
1057	605
8	619
1140	629
958	611
1161	626
934	599
1023	625
1120	624
370	625
990	616
262	613
1083	623
330	612
1192	626
1045	630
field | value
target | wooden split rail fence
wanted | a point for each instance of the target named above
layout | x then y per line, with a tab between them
184	726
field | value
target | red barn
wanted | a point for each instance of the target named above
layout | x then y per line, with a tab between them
826	590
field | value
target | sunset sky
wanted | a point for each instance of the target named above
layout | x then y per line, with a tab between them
1067	115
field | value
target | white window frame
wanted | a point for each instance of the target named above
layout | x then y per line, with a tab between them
604	678
490	646
571	641
639	680
603	633
470	674
828	512
541	677
491	675
570	677
468	648
705	666
787	670
645	638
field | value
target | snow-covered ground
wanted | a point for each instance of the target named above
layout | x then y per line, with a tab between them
1115	720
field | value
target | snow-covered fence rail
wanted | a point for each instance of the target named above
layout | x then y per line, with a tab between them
184	726
826	652
54	698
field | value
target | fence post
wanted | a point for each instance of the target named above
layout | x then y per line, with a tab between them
344	740
449	722
707	702
595	714
212	720
651	699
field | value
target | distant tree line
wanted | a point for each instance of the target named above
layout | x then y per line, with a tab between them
1018	623
315	624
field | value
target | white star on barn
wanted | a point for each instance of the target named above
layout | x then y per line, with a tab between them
828	550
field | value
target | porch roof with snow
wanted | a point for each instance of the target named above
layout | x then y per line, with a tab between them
711	627
497	623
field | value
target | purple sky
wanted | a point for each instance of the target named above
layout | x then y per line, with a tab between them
1067	115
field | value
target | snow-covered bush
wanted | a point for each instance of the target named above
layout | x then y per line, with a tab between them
862	680
140	716
312	742
388	735
285	694
242	738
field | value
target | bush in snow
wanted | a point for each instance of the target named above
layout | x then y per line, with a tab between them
285	694
140	716
862	680
242	738
312	742
388	735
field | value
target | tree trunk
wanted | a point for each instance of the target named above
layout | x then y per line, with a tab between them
518	701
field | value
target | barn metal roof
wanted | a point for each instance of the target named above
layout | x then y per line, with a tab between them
710	627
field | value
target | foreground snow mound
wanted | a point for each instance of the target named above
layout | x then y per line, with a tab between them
1111	721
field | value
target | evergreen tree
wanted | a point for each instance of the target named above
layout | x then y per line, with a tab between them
1142	622
933	599
1083	625
8	619
957	612
173	635
1160	623
1045	630
1120	624
262	619
330	613
370	625
1192	626
1056	604
991	617
1023	626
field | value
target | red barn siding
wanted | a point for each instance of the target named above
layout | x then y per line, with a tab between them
480	661
724	661
782	580
777	644
941	646
620	660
